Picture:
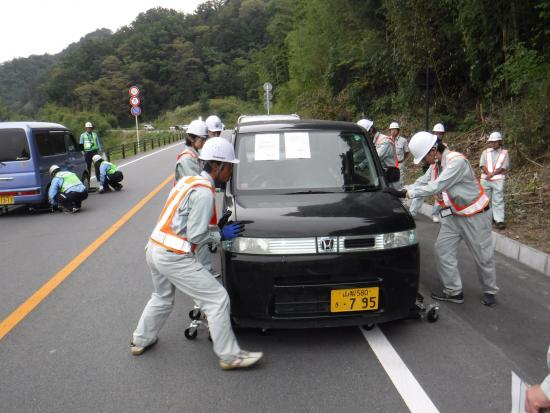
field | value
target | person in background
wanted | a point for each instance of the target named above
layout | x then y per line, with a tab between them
188	220
66	190
538	396
402	147
109	176
91	145
368	125
214	125
494	163
465	216
187	161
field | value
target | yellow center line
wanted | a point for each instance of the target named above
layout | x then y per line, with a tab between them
11	321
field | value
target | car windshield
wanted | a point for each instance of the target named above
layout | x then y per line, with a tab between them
304	162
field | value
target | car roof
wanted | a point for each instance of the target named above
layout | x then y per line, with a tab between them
31	125
298	124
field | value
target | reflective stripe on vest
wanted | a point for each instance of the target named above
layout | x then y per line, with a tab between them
90	141
187	152
474	207
163	234
384	139
491	168
69	180
438	197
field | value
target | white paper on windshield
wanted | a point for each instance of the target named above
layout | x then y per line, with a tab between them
266	147
297	145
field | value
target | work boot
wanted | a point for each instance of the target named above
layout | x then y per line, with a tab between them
443	296
75	209
243	360
488	300
118	187
138	351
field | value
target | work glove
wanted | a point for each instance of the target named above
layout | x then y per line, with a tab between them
101	189
230	231
395	192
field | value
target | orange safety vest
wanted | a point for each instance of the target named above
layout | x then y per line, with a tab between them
384	138
491	167
474	207
163	234
186	151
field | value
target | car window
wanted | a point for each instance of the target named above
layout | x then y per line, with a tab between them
50	143
13	145
70	142
301	161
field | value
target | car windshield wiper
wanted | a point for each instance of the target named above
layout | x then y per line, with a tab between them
308	192
360	187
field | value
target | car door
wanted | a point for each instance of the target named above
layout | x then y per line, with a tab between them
53	151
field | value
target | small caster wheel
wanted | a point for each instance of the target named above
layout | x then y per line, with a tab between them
190	333
433	315
369	327
195	314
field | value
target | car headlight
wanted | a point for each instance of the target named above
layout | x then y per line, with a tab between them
398	239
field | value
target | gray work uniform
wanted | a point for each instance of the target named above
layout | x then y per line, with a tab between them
459	180
184	272
495	188
416	203
386	153
545	385
188	165
402	146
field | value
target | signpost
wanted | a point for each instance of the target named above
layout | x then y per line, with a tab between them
268	96
135	110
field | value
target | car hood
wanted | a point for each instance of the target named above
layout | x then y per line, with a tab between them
306	215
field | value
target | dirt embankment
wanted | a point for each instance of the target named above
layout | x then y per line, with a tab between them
527	189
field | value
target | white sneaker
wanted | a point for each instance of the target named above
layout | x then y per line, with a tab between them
138	350
243	360
435	218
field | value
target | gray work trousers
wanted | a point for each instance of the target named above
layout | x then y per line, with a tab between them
495	191
476	233
170	271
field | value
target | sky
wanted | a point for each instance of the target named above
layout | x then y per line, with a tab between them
48	26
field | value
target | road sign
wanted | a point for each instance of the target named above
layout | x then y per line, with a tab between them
268	87
135	111
134	91
134	101
268	105
268	95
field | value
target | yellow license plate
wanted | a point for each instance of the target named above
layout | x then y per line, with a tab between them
6	200
354	299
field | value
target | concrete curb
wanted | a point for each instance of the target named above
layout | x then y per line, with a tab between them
510	248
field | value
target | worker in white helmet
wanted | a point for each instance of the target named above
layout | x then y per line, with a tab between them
187	161
402	147
465	216
214	125
109	175
91	145
66	191
188	221
494	163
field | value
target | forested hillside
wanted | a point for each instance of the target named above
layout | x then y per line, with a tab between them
487	64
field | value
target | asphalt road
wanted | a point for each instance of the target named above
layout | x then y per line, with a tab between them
70	354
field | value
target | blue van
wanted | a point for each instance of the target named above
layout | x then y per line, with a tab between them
27	150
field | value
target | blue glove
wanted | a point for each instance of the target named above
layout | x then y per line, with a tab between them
230	231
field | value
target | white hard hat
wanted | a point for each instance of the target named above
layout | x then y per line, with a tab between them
420	145
438	127
218	149
214	124
494	137
394	125
89	125
53	168
96	158
365	124
197	127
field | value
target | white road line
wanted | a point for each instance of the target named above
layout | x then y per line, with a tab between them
145	156
408	387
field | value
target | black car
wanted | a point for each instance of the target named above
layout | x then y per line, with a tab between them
323	244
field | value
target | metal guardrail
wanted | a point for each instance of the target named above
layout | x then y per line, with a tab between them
131	148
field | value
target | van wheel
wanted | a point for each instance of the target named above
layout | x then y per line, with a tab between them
86	181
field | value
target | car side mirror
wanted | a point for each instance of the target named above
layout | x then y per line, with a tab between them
392	174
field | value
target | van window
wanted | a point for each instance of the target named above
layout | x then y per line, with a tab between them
13	145
71	143
50	143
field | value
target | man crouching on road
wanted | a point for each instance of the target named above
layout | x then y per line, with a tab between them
188	221
466	216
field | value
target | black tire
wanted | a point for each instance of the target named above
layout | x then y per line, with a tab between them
86	180
195	314
433	315
369	327
190	333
